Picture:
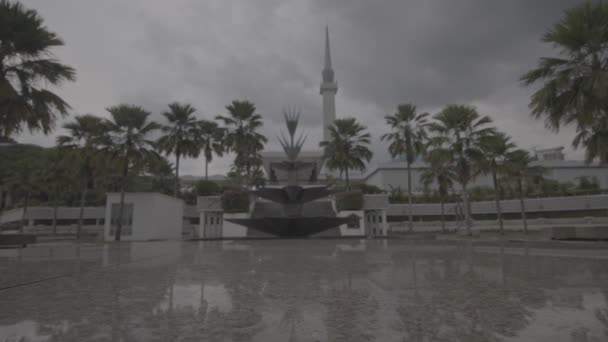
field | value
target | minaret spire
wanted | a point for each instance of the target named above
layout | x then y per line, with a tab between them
328	90
328	71
327	50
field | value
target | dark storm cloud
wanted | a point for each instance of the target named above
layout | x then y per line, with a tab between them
437	52
208	53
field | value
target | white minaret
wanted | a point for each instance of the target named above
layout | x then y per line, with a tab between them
329	88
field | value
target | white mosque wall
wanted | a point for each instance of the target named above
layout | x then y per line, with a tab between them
155	217
233	230
537	205
393	177
346	230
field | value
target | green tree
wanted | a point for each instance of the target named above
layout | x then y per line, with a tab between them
26	177
242	138
181	135
126	141
407	138
83	139
347	147
595	141
517	170
207	188
573	86
27	68
56	174
440	172
495	149
157	175
211	141
460	132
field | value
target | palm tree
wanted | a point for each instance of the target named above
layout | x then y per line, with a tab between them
56	174
407	138
180	135
26	176
517	169
126	142
211	141
573	85
242	137
460	131
496	147
26	69
348	146
595	140
83	139
440	171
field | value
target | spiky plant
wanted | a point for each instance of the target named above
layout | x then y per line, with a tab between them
291	145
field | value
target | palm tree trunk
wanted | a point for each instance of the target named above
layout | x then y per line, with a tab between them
2	203
206	169
409	197
497	196
522	205
83	198
347	179
24	213
123	183
466	208
55	209
441	201
176	191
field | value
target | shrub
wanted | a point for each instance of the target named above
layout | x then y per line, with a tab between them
352	200
207	188
370	189
235	201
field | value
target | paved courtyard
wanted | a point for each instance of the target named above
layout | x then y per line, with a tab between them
305	290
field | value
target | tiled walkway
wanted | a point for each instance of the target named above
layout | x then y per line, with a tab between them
304	290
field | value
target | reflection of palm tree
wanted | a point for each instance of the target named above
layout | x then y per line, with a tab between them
291	317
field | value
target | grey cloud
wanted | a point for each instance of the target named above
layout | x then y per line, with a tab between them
385	52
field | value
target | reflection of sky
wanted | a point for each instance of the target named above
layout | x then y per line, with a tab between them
190	296
25	330
554	323
311	290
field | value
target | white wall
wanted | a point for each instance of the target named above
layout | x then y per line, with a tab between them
155	216
393	177
570	174
232	230
210	224
550	204
345	231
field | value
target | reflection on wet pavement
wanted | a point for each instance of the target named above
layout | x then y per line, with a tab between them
303	290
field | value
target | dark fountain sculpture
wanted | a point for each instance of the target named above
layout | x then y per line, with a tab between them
292	210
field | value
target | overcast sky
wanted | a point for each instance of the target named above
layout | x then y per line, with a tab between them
385	52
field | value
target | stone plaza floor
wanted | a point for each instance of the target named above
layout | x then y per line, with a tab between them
305	290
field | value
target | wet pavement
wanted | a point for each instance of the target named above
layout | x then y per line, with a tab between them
305	290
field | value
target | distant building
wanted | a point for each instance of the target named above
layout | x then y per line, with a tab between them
392	175
556	153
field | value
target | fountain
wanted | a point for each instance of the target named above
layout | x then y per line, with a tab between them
292	210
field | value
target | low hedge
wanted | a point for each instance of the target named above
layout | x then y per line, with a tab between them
351	200
235	201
